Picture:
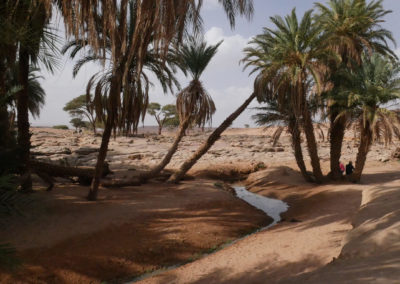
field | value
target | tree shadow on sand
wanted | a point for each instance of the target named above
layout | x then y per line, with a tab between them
163	234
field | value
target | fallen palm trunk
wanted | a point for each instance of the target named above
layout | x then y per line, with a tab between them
63	152
47	171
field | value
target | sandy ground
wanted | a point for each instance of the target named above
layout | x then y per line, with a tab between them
310	236
307	247
325	237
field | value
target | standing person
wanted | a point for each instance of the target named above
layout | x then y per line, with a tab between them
341	168
349	168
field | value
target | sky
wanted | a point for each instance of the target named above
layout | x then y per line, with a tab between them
225	80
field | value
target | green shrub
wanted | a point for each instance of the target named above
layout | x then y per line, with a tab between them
63	127
260	166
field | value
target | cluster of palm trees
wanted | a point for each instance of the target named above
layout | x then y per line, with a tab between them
128	37
325	64
26	40
334	63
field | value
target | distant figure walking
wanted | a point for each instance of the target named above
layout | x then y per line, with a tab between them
341	168
349	168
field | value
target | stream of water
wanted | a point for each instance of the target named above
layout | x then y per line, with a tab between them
272	207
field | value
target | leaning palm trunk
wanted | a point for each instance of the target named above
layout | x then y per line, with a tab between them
312	145
23	122
296	144
363	149
115	90
187	165
337	130
167	158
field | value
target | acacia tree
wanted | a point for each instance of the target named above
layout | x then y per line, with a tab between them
351	27
82	106
77	122
161	114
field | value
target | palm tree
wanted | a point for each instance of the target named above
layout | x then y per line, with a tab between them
282	115
351	27
158	22
214	136
194	105
375	83
285	59
36	44
292	58
36	93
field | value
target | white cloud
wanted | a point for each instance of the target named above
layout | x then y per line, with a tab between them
229	54
224	77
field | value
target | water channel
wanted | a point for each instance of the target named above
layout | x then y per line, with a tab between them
272	207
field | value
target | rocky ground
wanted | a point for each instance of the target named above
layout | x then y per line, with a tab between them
236	146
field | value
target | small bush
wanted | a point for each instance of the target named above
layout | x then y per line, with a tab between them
63	127
260	166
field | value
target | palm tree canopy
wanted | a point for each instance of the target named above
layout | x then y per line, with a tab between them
375	83
287	56
134	100
158	21
353	26
194	102
271	115
36	93
195	55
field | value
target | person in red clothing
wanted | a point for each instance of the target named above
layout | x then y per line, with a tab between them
341	168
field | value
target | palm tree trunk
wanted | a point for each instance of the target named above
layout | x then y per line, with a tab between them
93	122
23	122
94	128
4	116
188	164
115	90
167	158
363	149
296	144
312	144
337	130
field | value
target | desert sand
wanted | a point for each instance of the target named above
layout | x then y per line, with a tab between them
332	233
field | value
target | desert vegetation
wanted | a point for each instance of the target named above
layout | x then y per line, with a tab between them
322	79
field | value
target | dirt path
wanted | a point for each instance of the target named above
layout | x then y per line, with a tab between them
290	249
